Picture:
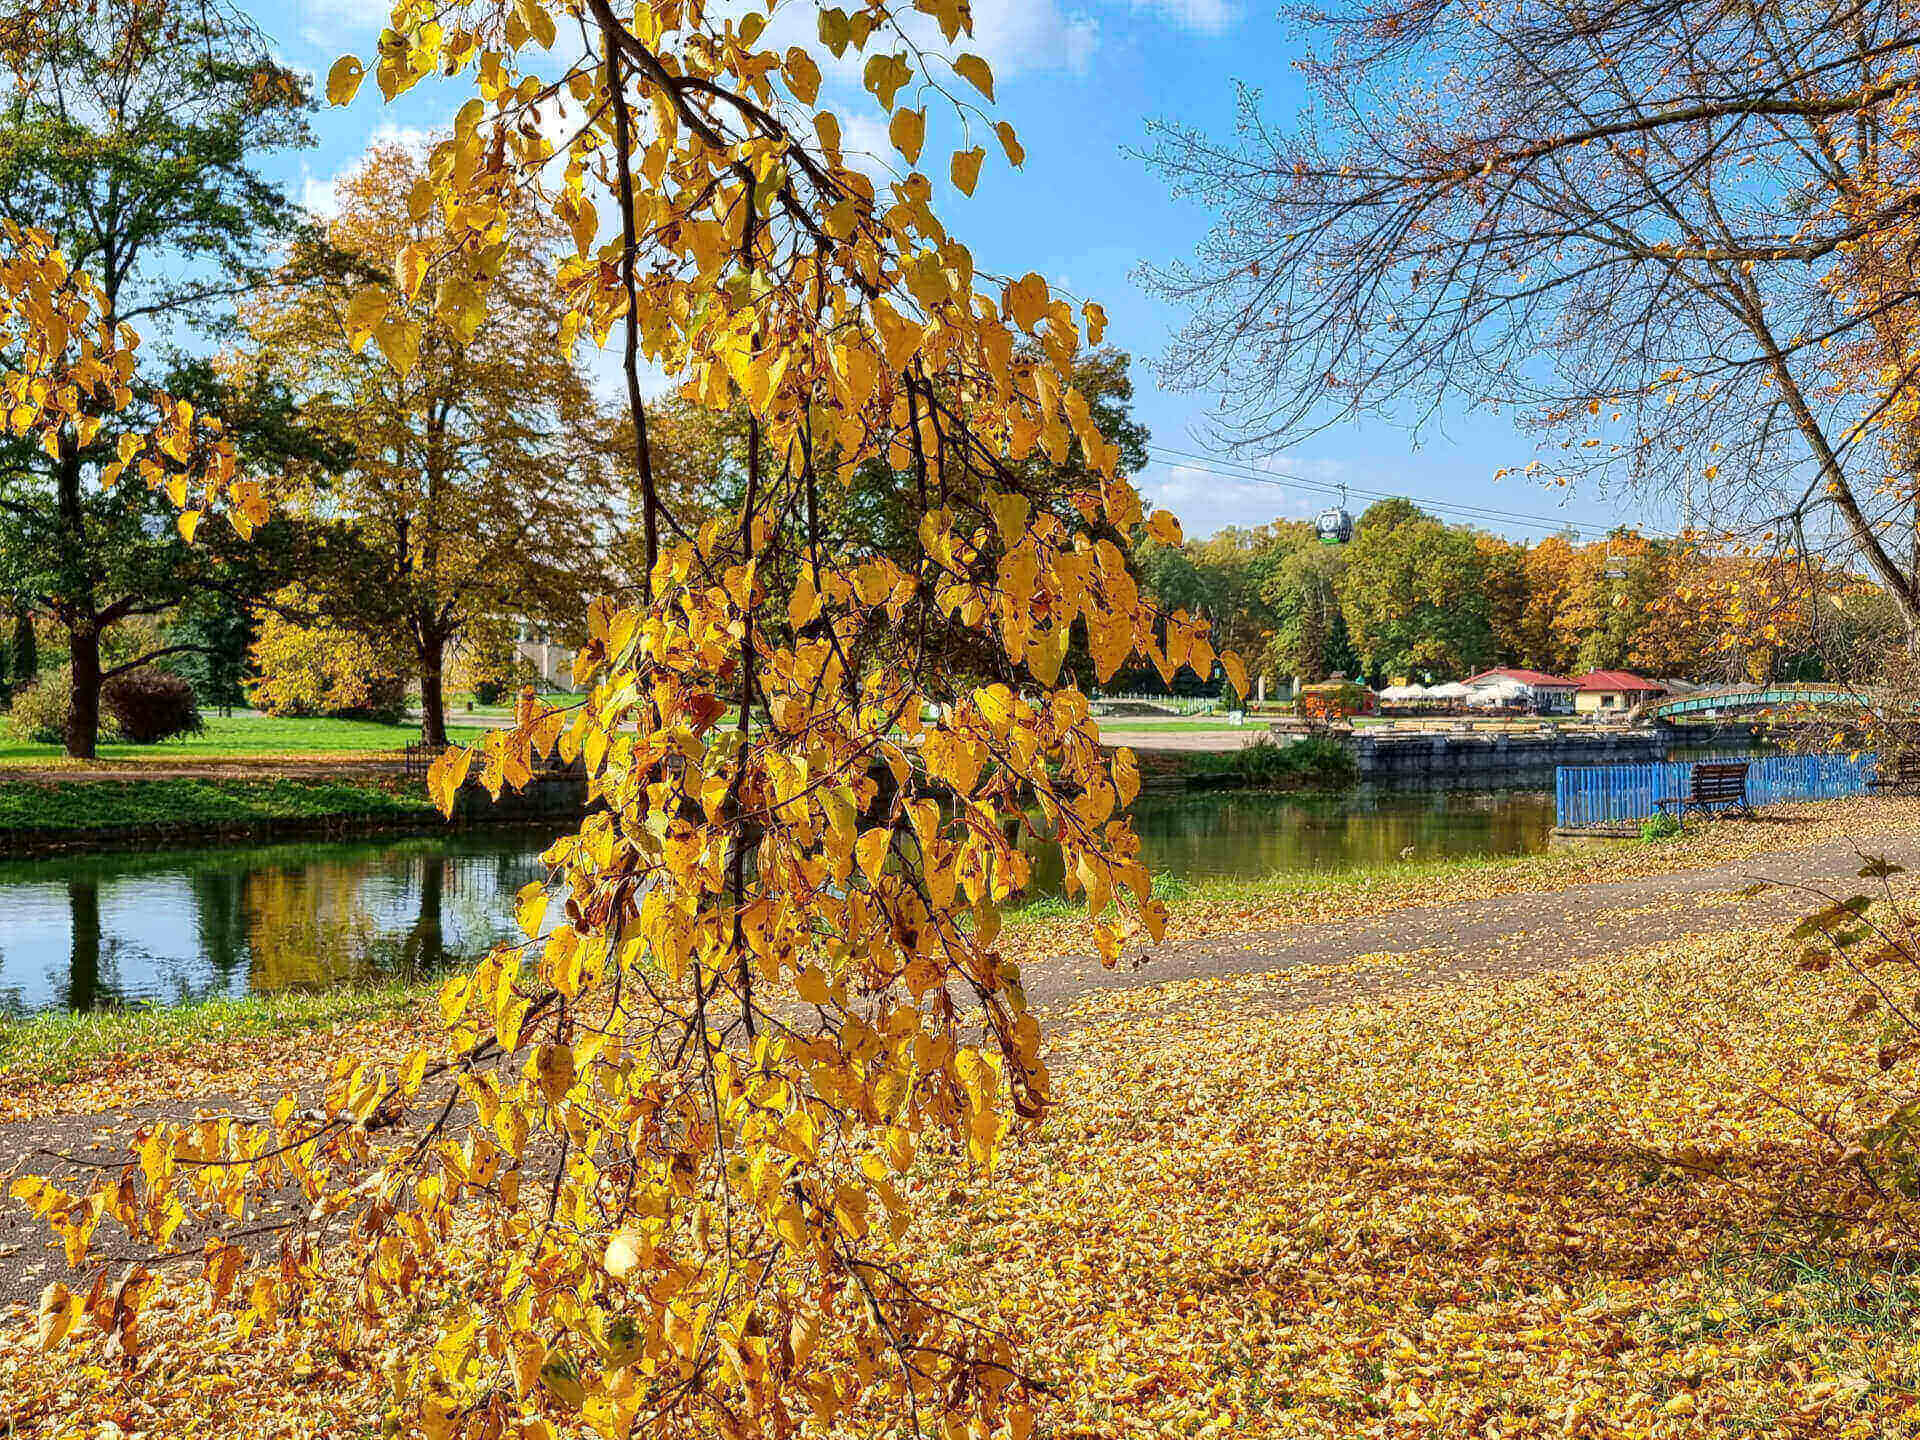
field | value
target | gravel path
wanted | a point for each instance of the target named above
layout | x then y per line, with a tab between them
1467	942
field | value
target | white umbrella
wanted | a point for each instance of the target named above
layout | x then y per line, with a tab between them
1452	690
1497	692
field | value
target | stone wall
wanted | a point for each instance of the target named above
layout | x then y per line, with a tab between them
1495	759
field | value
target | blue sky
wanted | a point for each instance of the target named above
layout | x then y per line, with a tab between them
1079	79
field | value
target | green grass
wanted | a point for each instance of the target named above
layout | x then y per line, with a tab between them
241	737
55	1047
71	805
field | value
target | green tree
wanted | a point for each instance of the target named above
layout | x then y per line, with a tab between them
1303	592
131	134
1414	595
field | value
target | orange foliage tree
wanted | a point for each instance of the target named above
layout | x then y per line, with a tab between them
660	1166
481	482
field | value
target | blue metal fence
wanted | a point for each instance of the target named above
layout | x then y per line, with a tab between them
1585	795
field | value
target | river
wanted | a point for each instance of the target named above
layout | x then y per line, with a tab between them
87	932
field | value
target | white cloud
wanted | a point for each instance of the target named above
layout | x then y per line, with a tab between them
319	197
1028	35
1207	500
335	16
1013	36
322	196
864	143
1208	17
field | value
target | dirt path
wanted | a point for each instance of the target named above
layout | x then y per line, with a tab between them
1491	938
1467	942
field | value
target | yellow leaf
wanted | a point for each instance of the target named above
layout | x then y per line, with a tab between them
553	1070
560	1378
871	851
965	170
811	985
1236	672
976	72
343	80
188	521
803	76
624	1253
364	312
58	1309
1016	153
908	132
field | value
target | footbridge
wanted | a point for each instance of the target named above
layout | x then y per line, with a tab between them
1750	699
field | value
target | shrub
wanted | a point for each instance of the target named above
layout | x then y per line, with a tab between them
149	705
1314	762
325	670
1659	827
38	714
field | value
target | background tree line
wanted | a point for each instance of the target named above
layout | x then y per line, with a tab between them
1413	596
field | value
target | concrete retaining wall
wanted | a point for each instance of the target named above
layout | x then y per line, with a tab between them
1495	759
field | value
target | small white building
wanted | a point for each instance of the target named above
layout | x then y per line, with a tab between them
551	660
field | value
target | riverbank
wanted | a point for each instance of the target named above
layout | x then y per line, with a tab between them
1574	902
59	1048
1567	1201
38	816
1730	846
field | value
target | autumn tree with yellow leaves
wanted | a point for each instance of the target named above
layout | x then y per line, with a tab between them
659	1167
482	481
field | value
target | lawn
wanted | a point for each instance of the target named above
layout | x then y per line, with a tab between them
54	1048
246	737
182	800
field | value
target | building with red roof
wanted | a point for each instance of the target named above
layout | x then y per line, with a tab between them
1610	691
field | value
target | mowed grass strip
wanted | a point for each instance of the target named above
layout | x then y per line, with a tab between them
59	1046
240	737
80	805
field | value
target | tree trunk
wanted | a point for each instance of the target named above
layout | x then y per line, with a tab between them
83	966
426	948
433	698
24	650
83	702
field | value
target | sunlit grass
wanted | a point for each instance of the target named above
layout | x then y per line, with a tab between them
248	737
54	1047
168	800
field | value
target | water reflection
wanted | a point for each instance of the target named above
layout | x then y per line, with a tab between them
88	932
1246	834
85	933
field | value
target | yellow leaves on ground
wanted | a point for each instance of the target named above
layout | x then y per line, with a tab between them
1550	1207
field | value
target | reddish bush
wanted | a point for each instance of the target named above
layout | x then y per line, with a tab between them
149	705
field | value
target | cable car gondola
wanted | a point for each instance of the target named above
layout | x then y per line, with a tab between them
1335	525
